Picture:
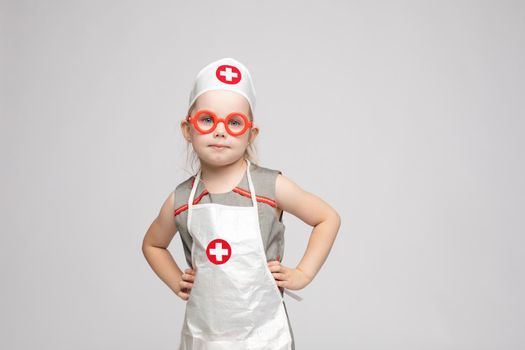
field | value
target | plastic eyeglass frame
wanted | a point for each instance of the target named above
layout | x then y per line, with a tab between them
216	120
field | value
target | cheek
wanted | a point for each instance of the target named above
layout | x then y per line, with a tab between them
244	138
200	140
241	141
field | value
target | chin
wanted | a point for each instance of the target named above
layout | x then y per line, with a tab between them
219	158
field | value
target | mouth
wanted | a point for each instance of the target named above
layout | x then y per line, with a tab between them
218	146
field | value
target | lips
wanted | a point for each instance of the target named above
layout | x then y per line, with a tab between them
218	145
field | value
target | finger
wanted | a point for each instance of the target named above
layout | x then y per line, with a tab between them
275	268
187	285
279	276
278	268
274	262
282	283
183	295
188	277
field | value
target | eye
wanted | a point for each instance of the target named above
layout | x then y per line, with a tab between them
236	122
205	119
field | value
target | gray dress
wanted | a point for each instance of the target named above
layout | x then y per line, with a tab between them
272	227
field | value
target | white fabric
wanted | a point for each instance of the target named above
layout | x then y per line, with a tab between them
235	304
224	74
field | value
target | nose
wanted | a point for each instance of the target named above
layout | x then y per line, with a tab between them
220	129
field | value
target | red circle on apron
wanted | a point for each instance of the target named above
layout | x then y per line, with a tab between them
228	74
218	251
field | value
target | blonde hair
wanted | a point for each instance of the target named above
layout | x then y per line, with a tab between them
191	157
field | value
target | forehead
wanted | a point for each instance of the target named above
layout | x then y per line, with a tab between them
223	101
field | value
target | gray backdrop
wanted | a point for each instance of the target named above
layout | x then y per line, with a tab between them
407	117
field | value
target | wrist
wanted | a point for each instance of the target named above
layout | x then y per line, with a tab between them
309	277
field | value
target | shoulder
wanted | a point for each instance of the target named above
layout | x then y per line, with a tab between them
265	178
166	227
185	184
182	191
262	170
285	186
290	196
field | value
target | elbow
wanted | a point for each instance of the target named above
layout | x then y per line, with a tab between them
336	218
331	218
145	246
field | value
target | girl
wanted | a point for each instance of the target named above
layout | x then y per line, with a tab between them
229	216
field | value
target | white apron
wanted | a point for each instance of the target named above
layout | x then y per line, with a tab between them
235	303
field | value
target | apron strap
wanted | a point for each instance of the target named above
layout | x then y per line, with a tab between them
250	184
192	195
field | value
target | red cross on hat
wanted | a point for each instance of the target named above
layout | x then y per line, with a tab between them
228	74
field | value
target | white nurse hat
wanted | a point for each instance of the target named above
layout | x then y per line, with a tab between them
224	74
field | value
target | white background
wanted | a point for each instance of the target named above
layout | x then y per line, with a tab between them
406	116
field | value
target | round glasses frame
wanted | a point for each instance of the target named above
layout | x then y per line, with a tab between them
216	120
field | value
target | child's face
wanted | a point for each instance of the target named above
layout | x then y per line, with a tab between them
222	102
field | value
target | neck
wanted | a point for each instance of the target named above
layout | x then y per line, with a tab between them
211	173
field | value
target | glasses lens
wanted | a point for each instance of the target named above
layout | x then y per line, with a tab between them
205	121
236	123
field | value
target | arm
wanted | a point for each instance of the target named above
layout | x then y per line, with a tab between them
156	240
315	212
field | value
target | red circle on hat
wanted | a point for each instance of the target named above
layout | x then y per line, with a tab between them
218	251
228	74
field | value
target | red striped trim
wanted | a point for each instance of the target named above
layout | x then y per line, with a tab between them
180	209
261	199
198	199
238	190
185	206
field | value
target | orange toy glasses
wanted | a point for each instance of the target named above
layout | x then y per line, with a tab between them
205	121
